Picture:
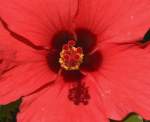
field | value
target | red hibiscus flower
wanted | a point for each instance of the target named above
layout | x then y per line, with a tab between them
75	61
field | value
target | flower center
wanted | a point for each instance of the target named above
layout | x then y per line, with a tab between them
71	57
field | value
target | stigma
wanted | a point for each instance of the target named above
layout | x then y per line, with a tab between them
71	57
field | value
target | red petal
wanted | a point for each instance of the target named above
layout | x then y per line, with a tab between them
38	20
52	105
22	69
23	80
118	21
124	79
21	51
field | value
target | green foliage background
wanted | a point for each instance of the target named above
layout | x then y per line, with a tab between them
8	114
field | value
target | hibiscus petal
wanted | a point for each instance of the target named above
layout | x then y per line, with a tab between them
22	69
52	105
119	21
124	81
24	79
38	20
21	51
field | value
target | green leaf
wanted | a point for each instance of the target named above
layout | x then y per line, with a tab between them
8	112
134	118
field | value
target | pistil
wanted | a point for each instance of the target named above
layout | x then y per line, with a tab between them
71	57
